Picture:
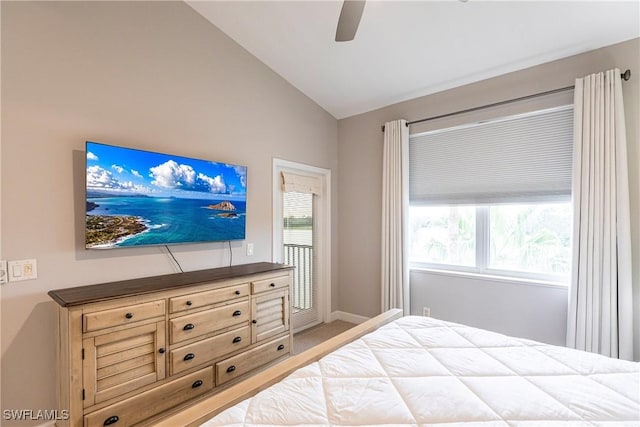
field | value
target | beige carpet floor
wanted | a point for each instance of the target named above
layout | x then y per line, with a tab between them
317	334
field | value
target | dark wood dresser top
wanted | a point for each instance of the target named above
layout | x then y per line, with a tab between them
93	293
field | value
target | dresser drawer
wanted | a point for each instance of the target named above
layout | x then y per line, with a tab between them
147	404
206	350
122	315
202	299
269	284
203	322
235	366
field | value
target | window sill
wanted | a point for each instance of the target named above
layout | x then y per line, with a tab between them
491	278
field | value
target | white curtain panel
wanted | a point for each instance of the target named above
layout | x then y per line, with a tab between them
395	209
600	317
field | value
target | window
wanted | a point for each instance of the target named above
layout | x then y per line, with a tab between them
520	240
297	240
443	235
530	238
494	197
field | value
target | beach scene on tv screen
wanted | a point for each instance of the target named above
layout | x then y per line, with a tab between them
140	198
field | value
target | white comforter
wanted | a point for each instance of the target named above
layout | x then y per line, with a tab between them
423	371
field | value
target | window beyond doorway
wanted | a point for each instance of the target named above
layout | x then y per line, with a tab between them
297	239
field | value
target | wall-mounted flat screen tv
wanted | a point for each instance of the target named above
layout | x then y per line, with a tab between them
140	198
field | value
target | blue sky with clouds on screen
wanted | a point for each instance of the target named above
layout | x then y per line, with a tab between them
121	170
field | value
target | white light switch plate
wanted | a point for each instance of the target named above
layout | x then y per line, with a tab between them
25	269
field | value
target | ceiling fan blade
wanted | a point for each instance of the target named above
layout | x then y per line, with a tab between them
349	20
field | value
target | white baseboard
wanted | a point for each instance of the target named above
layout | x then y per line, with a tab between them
348	317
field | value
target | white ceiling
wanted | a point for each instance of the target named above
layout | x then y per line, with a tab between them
406	49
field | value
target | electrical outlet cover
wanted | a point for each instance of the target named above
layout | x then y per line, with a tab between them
3	271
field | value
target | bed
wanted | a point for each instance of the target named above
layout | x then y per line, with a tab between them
424	371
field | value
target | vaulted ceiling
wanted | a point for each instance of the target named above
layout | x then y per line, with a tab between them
406	49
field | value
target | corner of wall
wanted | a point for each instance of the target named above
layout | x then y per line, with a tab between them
348	317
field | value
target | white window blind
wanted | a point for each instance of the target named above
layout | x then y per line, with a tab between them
292	182
519	158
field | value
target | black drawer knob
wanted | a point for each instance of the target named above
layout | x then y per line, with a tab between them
188	327
231	369
281	347
237	313
111	420
273	285
161	351
238	292
196	384
254	321
128	316
237	340
189	303
189	356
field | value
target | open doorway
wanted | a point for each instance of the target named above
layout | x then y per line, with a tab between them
302	237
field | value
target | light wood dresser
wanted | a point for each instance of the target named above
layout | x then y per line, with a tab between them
132	351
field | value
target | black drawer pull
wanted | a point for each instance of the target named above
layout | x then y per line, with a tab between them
254	321
238	292
237	313
196	384
189	356
231	369
188	326
189	303
237	340
128	316
273	285
281	347
161	351
111	420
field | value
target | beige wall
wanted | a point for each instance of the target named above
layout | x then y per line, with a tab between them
150	75
360	154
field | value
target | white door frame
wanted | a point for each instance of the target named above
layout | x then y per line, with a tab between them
323	224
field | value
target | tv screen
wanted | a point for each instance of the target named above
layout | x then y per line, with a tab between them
139	198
